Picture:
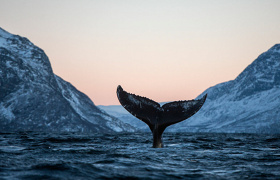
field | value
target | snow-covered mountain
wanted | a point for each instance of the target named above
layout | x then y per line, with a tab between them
248	104
33	98
119	112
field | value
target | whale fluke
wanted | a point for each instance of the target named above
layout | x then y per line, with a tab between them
155	116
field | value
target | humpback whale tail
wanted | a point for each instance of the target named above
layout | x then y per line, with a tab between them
155	116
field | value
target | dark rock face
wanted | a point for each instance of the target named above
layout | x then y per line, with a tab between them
248	104
33	98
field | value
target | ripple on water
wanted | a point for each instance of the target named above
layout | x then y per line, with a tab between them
11	149
185	156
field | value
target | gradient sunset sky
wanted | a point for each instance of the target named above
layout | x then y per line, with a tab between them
166	50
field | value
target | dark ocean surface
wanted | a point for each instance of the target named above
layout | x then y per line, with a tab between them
33	155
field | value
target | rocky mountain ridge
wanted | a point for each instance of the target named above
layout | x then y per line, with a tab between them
33	98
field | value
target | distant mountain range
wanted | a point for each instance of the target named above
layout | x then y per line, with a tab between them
119	112
248	104
33	98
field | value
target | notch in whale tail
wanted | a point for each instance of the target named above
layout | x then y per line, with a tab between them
155	116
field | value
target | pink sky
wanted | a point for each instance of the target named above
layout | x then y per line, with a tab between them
166	49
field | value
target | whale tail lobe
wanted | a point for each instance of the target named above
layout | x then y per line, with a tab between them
155	116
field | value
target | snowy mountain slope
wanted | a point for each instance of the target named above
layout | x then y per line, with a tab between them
33	98
248	104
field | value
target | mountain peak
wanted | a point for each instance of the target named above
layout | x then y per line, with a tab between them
33	98
275	48
4	33
27	54
261	75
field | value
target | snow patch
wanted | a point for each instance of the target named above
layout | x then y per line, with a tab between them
7	112
114	127
2	41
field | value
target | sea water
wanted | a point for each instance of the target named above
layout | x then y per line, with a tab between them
34	155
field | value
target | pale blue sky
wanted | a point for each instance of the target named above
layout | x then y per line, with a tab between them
165	50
